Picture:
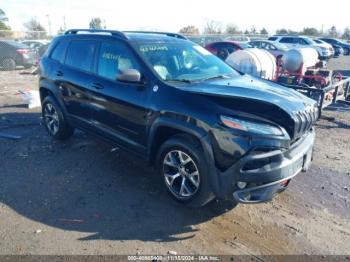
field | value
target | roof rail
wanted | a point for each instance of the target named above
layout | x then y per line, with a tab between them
112	32
160	33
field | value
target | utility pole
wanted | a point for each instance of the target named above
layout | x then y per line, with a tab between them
64	23
49	23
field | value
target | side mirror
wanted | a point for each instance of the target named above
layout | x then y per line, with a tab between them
130	75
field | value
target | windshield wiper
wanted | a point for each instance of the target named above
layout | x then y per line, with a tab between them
180	80
216	77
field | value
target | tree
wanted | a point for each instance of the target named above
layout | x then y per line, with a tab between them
253	31
213	27
263	31
346	34
246	32
333	32
292	32
35	30
3	17
5	30
282	31
311	31
189	30
61	31
95	23
232	29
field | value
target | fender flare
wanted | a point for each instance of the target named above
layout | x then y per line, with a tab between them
203	138
46	85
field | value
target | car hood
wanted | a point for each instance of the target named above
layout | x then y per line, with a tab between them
325	45
252	88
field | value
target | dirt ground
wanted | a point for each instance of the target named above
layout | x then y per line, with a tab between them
78	197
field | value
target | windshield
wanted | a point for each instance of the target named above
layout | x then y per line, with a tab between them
245	45
309	41
184	61
338	41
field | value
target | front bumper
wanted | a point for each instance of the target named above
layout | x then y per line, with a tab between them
263	175
325	57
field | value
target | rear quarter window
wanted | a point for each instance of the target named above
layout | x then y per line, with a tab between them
59	51
272	38
80	54
287	40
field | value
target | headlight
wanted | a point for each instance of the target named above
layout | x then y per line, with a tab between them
254	127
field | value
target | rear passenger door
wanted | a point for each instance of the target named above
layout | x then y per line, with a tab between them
119	108
77	77
255	44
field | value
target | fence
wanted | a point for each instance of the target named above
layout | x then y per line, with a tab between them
24	35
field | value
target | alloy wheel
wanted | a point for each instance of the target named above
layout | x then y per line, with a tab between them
181	174
51	119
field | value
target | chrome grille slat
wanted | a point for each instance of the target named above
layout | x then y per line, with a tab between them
304	120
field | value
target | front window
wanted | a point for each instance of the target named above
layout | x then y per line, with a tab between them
184	61
113	59
245	45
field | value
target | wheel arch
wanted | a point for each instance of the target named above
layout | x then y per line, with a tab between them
165	128
47	89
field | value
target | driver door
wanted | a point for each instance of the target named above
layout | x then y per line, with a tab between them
119	108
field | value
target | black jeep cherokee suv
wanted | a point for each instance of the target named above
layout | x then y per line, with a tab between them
209	130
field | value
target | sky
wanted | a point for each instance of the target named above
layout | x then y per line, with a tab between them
171	15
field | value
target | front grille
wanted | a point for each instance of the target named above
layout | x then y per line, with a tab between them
304	120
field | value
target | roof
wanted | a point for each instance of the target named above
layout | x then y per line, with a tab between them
290	35
263	40
151	37
132	36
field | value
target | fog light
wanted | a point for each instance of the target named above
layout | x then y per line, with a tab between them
241	185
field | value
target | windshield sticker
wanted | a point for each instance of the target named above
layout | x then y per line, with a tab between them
153	48
110	56
202	50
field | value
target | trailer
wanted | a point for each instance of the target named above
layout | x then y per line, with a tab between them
334	92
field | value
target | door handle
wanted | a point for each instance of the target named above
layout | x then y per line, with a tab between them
97	85
59	73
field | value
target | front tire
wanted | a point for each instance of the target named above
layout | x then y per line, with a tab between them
346	51
181	164
54	120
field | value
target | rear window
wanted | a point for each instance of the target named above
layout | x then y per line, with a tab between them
272	38
80	54
59	51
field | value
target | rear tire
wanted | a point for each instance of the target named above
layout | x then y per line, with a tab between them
346	51
54	120
182	167
8	64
